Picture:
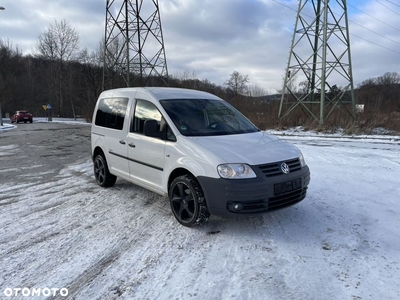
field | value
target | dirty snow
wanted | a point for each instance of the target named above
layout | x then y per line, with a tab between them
341	242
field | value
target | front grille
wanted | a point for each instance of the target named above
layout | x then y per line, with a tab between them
287	199
251	192
265	204
274	169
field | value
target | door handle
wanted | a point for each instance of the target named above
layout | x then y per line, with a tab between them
122	142
132	145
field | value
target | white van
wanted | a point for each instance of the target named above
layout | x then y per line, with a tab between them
197	149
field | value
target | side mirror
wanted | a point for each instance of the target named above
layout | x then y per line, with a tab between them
150	128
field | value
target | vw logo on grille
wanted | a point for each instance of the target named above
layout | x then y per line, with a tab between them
285	168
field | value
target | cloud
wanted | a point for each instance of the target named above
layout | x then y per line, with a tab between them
375	40
224	36
213	38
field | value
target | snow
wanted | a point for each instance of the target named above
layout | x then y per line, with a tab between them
77	121
341	242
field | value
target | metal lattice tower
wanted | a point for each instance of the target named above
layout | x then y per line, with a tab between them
134	52
320	59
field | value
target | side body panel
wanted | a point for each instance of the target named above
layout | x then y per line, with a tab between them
146	161
113	141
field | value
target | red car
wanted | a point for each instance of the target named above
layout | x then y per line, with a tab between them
21	116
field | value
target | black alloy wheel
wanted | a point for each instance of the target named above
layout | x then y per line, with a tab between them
103	176
187	201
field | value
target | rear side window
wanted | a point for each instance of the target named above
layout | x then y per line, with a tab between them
111	112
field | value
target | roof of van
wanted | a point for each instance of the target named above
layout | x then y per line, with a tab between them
163	93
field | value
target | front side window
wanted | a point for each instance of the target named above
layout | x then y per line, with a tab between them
111	112
144	111
205	117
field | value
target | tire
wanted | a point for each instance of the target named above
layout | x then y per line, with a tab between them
103	176
187	201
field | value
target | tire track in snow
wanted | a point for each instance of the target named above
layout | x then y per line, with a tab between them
123	251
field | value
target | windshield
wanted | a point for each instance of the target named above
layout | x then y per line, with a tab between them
203	117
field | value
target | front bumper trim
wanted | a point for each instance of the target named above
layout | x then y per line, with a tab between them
252	196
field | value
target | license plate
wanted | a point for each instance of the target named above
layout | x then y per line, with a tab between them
288	186
26	118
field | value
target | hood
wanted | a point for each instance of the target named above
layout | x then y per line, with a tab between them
251	148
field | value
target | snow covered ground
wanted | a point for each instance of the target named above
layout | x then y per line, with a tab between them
341	242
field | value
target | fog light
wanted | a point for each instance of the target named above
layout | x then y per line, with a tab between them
237	207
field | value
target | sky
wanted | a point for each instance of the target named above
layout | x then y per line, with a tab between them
60	230
210	39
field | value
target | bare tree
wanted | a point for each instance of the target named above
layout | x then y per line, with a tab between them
58	44
304	87
389	78
237	83
11	65
290	86
91	70
368	82
256	91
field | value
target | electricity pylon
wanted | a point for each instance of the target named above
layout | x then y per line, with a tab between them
320	58
134	52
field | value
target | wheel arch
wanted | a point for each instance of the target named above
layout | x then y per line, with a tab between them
179	172
176	173
179	203
97	151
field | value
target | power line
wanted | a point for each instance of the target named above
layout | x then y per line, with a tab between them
287	6
374	17
393	3
377	33
376	44
388	7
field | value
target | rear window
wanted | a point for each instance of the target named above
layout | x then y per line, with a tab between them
111	112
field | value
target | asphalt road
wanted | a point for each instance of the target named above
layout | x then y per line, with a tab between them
41	148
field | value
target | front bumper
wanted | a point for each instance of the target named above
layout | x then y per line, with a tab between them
23	119
256	195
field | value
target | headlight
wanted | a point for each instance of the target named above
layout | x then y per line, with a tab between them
235	171
302	161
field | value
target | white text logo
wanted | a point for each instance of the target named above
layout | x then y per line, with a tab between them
27	292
